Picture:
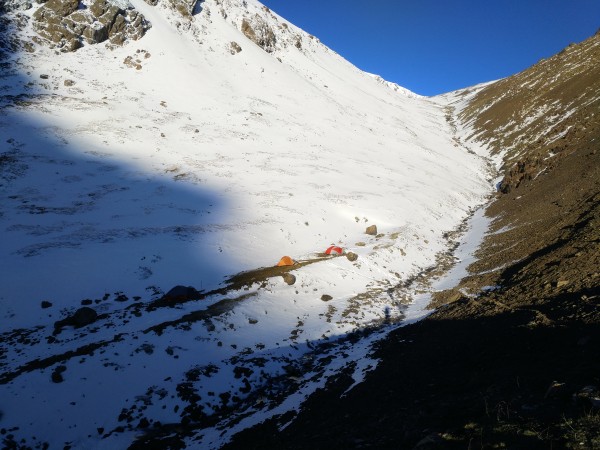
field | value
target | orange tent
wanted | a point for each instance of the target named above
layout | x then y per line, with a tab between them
285	261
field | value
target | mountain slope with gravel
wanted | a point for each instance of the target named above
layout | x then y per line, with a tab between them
510	359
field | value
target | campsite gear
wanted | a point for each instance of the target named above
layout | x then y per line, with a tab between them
334	250
285	261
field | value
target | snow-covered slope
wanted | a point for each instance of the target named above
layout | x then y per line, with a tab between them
178	159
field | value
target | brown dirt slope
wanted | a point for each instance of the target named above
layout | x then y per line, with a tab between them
517	366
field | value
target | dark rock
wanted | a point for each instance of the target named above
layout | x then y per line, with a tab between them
65	26
62	8
234	48
326	297
259	32
69	83
184	7
44	76
46	304
289	278
144	423
372	230
351	256
57	374
182	293
82	317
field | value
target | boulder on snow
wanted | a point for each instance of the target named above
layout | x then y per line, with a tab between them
234	48
57	374
82	317
351	256
182	293
372	230
289	278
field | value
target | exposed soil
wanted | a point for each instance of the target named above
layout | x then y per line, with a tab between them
514	361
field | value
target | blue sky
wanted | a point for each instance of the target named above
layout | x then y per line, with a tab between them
435	46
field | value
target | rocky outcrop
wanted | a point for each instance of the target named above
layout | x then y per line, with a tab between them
15	5
68	24
183	7
258	31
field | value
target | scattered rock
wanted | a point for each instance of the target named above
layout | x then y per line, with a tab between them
371	230
289	278
326	297
351	256
234	48
183	7
82	317
46	304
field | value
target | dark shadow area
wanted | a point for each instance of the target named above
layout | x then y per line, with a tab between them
494	381
69	214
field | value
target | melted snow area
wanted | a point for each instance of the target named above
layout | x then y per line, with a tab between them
188	166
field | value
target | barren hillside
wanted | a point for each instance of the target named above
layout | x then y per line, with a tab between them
513	360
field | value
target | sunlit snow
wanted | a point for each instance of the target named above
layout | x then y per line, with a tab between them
196	166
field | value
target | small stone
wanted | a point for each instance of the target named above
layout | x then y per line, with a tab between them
351	256
86	302
69	83
326	297
57	374
234	48
46	304
44	76
561	283
289	278
371	230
